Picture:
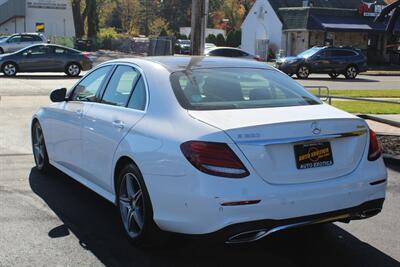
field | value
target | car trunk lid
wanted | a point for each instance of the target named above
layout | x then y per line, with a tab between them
267	138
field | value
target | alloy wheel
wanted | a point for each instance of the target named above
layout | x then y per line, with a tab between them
39	148
351	72
73	70
10	69
131	205
303	72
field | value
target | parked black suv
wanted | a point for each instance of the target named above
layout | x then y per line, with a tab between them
330	60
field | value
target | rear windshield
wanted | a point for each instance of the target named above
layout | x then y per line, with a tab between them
238	88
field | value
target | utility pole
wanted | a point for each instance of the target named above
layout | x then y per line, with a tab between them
199	25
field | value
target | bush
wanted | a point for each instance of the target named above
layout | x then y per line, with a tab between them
108	33
211	39
220	41
181	36
233	39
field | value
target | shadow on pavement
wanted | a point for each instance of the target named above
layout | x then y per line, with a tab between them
95	222
42	77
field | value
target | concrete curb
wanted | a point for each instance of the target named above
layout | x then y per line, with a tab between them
391	159
382	120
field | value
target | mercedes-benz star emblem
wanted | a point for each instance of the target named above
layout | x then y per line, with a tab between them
316	130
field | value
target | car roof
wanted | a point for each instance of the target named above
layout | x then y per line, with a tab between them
181	63
28	33
51	45
225	47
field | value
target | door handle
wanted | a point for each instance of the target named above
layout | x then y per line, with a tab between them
118	124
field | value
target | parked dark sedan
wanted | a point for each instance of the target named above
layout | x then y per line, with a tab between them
183	47
45	58
329	60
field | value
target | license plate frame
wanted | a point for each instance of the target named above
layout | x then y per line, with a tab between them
313	155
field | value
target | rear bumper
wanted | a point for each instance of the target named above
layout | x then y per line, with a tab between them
256	230
86	65
193	204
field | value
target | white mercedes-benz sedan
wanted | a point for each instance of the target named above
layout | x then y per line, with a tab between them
209	146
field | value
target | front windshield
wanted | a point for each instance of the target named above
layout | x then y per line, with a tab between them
238	88
310	52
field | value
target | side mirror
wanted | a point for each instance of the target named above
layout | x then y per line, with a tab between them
58	95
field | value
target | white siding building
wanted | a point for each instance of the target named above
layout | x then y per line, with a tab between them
52	17
261	30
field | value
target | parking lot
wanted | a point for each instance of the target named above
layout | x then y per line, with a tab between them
51	220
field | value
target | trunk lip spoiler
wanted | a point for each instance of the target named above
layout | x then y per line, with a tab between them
302	140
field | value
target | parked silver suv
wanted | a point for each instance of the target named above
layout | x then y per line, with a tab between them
20	40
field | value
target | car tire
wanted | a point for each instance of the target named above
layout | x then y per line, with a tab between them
303	72
333	75
135	209
39	149
73	69
351	72
10	69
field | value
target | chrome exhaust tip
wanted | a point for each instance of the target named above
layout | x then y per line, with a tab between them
369	213
247	237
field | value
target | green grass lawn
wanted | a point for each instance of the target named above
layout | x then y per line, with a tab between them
367	107
363	106
362	93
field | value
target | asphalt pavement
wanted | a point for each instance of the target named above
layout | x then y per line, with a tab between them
51	220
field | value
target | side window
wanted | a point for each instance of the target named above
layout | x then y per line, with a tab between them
15	39
37	38
235	53
120	86
217	53
138	99
87	89
39	50
27	38
59	50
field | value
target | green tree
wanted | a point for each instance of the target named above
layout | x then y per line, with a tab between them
220	40
148	11
159	27
176	12
211	38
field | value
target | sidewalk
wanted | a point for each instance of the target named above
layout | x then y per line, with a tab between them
392	120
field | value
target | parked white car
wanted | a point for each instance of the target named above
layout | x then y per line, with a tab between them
210	146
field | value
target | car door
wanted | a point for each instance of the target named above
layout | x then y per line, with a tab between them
107	122
66	139
13	44
36	58
59	58
27	40
341	59
321	62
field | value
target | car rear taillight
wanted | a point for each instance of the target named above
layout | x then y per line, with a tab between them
86	56
258	58
214	158
375	151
